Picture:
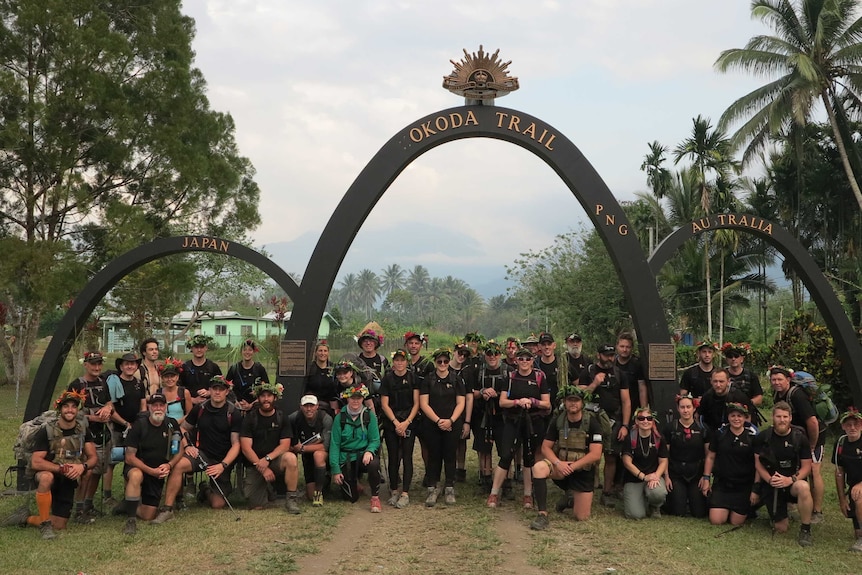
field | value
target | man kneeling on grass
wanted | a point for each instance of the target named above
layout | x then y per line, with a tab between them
62	456
848	471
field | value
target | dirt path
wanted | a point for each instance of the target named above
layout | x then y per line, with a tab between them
466	539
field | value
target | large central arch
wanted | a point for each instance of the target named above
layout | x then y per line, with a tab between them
518	128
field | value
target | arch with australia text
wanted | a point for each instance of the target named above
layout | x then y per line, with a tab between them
508	125
72	323
794	253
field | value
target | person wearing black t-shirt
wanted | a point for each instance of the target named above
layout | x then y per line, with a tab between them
713	404
730	463
265	439
320	381
847	458
152	450
311	428
487	417
686	440
696	379
59	459
441	399
198	371
464	367
217	447
645	462
418	364
399	402
782	457
245	374
742	378
128	395
576	361
631	370
369	342
548	362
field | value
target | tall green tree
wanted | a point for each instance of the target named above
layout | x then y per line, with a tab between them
391	279
368	290
815	52
102	112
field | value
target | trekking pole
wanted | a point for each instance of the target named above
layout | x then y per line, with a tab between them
218	487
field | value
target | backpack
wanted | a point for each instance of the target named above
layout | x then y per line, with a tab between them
23	447
366	420
605	421
181	397
817	394
656	436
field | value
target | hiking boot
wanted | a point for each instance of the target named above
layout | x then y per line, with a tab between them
856	547
816	517
655	512
375	504
805	538
203	491
403	501
131	526
565	502
165	514
393	499
528	502
46	530
84	517
119	508
449	496
317	500
493	500
461	475
291	504
540	523
109	503
18	517
433	494
608	500
188	492
180	504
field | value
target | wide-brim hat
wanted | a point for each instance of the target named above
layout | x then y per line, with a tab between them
93	357
130	357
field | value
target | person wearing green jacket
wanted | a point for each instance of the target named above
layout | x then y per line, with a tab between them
353	446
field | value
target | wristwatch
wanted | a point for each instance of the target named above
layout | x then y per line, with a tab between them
268	458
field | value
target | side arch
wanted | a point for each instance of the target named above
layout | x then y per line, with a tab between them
508	125
801	261
72	323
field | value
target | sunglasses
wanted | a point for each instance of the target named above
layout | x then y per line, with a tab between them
525	359
644	418
442	361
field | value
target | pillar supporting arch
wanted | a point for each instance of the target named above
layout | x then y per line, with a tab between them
509	125
72	323
815	282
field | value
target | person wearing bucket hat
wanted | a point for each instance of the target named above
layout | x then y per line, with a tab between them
128	396
695	379
399	403
199	370
153	448
369	341
847	458
244	373
571	451
60	458
354	445
98	409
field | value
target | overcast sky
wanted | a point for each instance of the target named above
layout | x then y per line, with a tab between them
317	87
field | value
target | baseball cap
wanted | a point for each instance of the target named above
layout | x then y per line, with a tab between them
308	400
546	337
157	398
607	349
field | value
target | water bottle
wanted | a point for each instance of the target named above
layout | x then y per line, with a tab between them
175	443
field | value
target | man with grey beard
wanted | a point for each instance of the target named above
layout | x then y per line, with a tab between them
152	451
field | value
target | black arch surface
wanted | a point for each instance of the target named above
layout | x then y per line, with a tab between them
518	128
804	265
72	323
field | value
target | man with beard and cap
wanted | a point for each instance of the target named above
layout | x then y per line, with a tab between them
265	441
576	361
217	423
602	379
63	452
153	449
741	377
782	457
847	459
696	379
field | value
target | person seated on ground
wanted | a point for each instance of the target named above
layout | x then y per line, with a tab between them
353	447
687	442
645	462
730	465
265	441
572	449
63	452
153	449
847	459
311	429
782	457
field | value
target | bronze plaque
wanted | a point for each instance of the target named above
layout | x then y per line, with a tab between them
292	358
662	362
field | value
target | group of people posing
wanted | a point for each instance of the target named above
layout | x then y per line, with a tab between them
549	416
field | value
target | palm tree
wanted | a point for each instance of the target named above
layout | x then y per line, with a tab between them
391	279
709	150
816	52
368	290
349	294
470	305
658	177
418	279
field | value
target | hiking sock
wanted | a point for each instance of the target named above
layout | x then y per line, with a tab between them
319	477
43	506
79	506
106	494
495	491
540	494
132	507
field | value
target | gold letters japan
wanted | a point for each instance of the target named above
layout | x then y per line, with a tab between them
510	122
206	243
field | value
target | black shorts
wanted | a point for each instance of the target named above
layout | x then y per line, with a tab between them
223	479
579	481
734	497
780	498
63	496
151	488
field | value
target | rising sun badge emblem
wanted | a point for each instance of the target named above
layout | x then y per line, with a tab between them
480	76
